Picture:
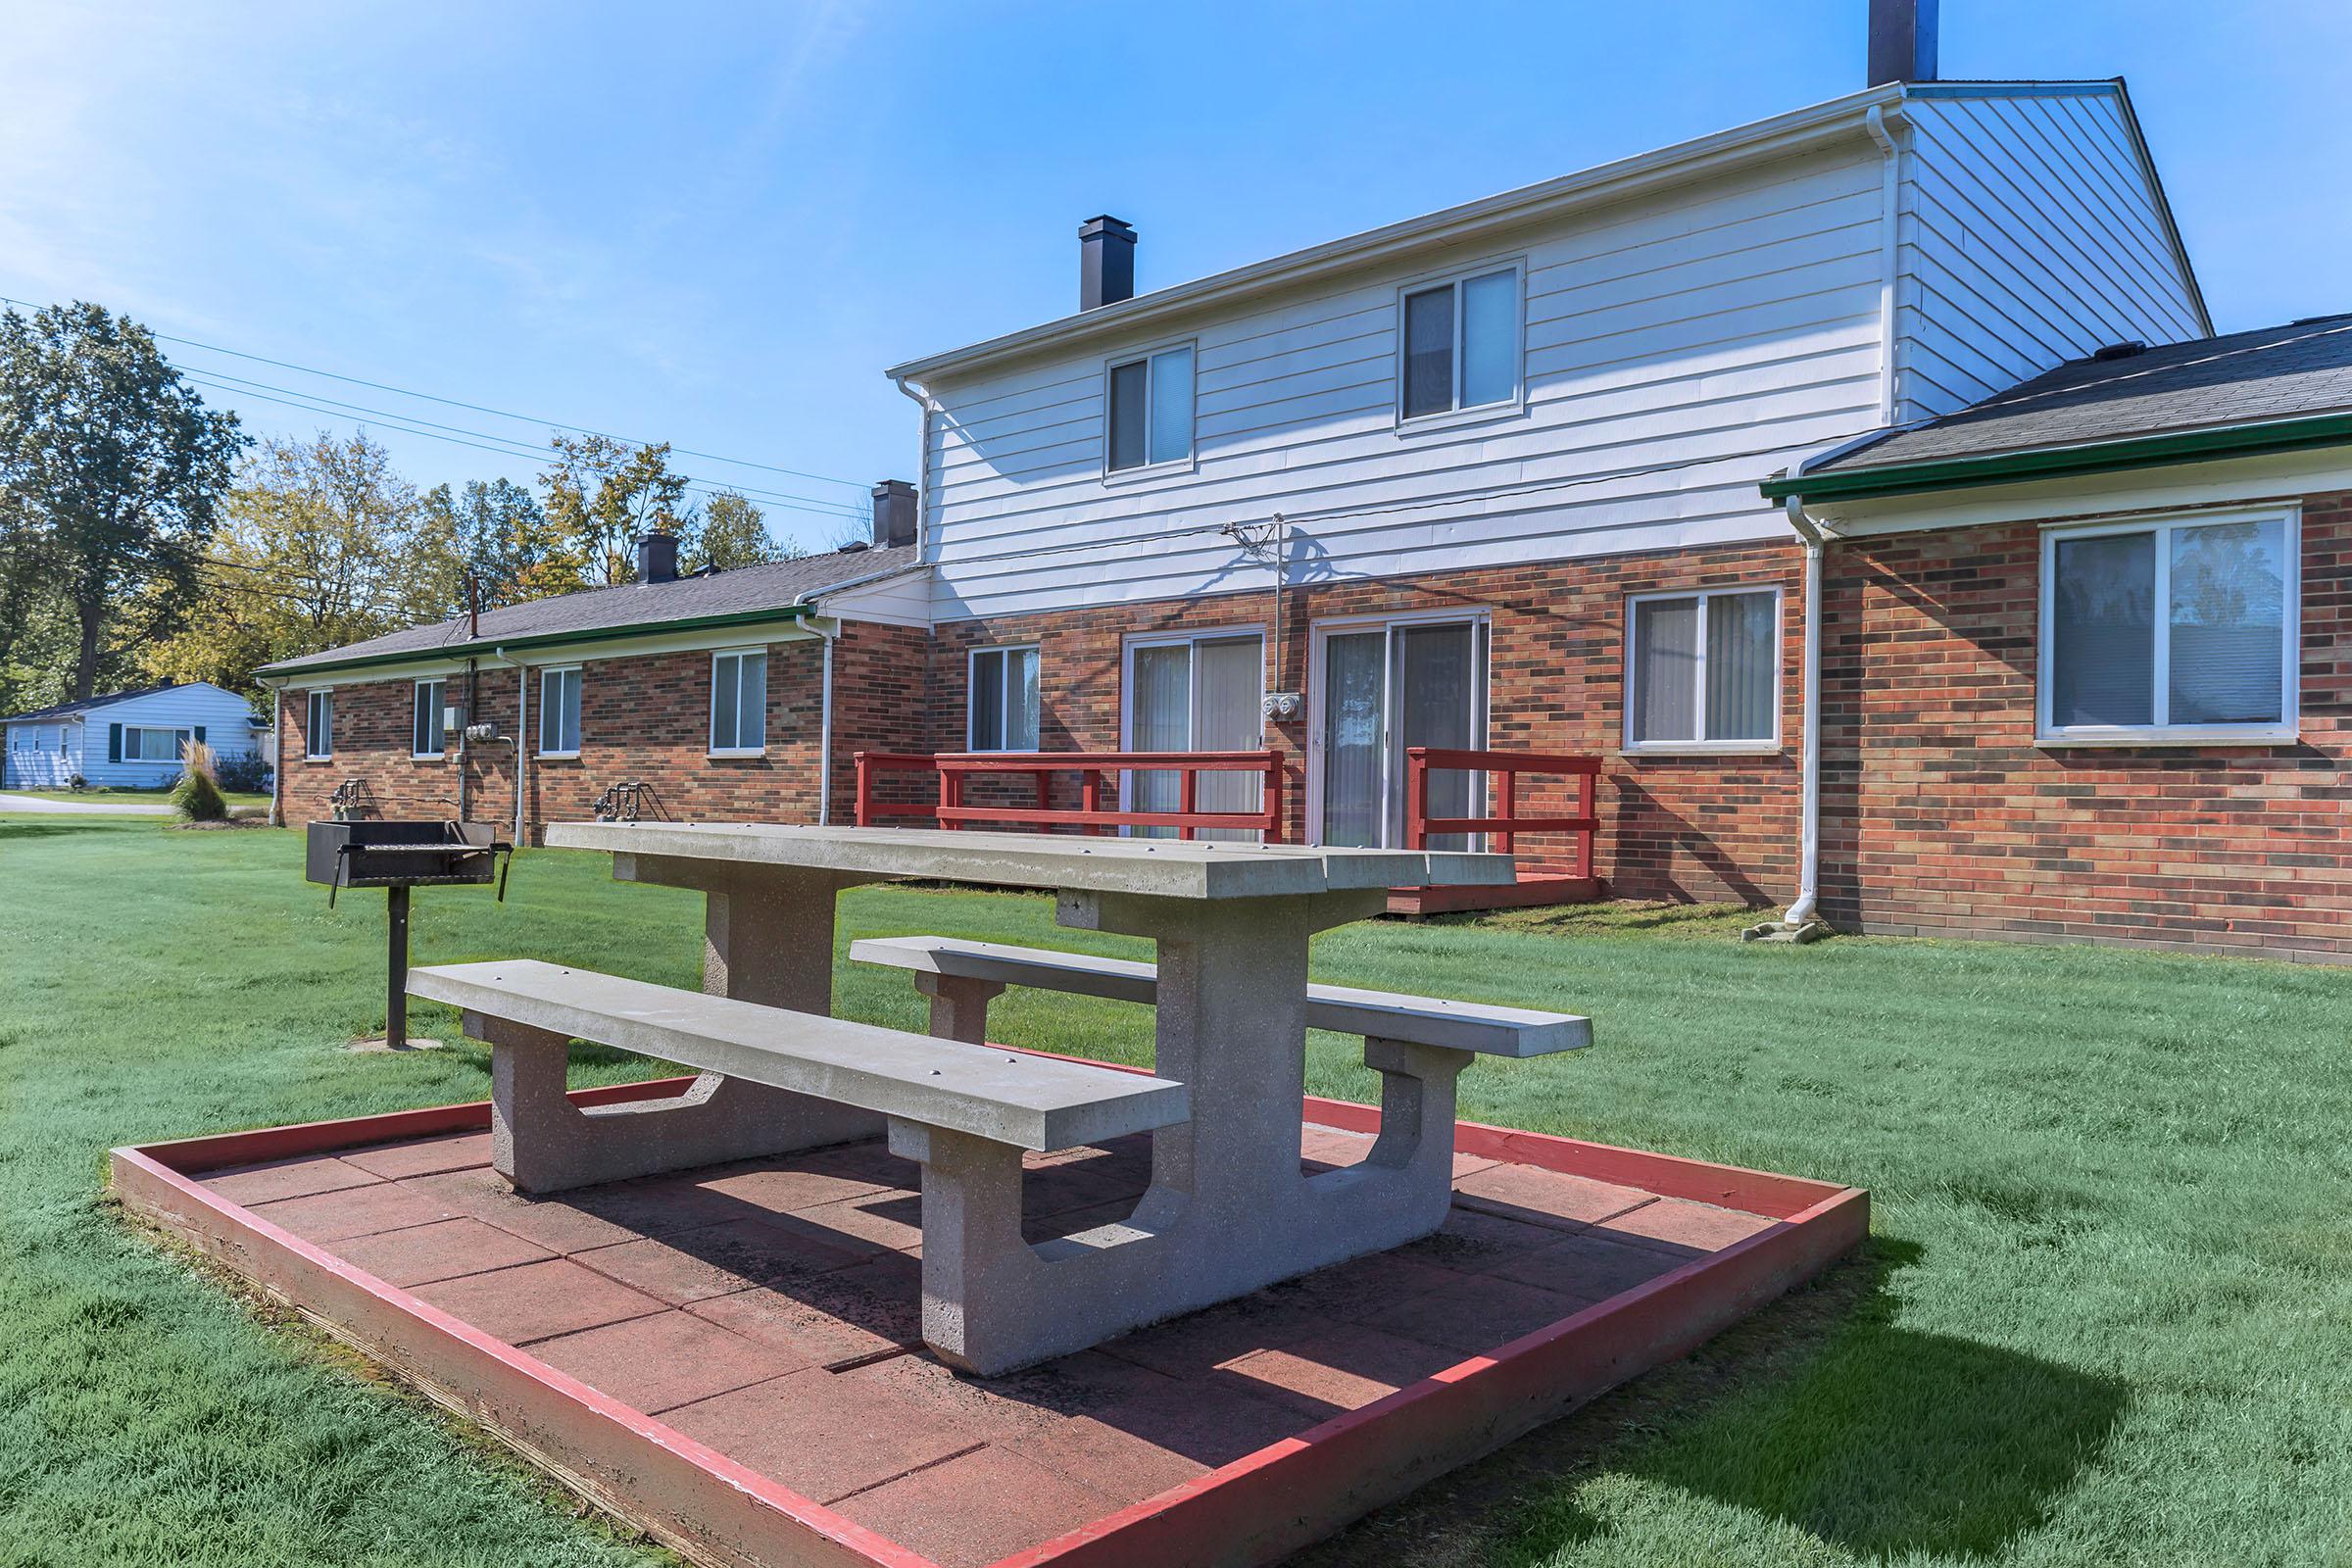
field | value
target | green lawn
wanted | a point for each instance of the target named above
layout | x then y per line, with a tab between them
2106	1317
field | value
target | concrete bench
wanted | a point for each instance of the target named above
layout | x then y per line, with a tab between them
834	1079
962	977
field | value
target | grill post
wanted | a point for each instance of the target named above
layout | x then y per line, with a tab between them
396	994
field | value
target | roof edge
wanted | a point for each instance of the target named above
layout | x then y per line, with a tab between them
1689	159
2201	444
474	648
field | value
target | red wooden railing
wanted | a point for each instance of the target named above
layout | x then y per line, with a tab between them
1504	767
1096	773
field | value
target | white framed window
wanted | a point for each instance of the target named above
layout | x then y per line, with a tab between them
1460	344
1147	411
318	728
429	734
146	744
1001	712
1702	671
2172	630
560	712
739	703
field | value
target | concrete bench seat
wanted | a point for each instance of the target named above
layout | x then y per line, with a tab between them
975	972
823	1066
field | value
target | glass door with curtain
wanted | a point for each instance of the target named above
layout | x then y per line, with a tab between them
1200	694
1385	688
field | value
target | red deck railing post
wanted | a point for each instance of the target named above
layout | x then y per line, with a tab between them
1188	799
1416	797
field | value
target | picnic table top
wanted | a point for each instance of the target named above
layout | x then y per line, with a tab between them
1161	867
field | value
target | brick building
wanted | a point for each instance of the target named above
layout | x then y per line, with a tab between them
1754	467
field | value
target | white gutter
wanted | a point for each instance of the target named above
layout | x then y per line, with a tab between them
1891	196
922	463
277	748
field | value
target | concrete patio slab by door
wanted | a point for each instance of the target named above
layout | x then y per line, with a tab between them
730	1358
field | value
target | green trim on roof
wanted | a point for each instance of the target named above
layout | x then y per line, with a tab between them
2058	462
546	639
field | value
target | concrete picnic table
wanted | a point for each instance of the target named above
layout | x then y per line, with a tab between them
1228	1208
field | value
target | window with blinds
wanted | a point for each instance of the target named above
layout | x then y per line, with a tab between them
2182	629
1704	670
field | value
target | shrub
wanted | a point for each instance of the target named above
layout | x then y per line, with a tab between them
196	796
78	784
248	774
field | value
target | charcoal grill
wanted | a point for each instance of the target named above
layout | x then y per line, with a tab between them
397	856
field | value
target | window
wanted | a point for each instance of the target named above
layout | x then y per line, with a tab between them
1003	715
143	745
1151	410
1703	671
1196	694
560	712
739	704
1461	344
2172	630
427	733
318	730
1383	687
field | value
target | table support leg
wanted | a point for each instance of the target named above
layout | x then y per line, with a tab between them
958	1006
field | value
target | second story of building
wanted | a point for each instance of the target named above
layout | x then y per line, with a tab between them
1605	362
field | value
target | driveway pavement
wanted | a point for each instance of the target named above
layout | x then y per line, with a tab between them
35	806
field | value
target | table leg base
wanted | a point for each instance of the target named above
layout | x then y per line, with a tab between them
993	1303
541	1141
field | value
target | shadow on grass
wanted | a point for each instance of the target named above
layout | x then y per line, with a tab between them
1822	1412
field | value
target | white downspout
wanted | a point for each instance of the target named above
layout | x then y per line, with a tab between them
1808	886
1808	907
277	751
522	733
824	733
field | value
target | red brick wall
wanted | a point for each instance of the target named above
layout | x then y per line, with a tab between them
1940	815
643	718
1679	827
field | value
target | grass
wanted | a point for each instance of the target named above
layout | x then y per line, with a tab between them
2105	1317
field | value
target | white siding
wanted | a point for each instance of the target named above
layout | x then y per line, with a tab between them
900	600
2032	235
1680	348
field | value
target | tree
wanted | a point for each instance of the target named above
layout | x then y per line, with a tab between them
732	532
322	543
599	493
502	536
113	470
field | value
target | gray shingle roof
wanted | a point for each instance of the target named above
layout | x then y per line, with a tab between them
102	700
2275	372
743	591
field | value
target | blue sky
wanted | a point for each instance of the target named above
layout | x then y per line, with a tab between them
717	228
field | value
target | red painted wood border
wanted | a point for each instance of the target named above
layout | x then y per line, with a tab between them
1292	1494
1252	1511
694	1499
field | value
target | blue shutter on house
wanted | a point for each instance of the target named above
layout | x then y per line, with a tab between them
200	734
114	742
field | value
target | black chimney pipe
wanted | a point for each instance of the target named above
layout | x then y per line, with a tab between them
894	514
658	556
1105	262
1902	41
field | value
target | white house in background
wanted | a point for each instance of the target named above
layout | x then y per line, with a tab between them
126	740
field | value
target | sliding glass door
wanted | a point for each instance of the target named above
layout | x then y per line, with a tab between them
1196	694
1382	688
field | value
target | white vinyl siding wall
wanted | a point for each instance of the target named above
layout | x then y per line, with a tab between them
2031	236
1678	349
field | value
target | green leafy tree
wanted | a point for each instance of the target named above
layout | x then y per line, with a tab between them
500	534
113	472
599	494
731	532
322	543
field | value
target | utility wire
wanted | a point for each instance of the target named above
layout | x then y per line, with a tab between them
478	408
780	498
509	448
